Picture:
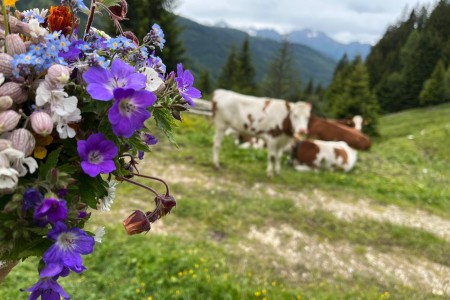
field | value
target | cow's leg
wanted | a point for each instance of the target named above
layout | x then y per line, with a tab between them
271	158
218	137
302	168
278	161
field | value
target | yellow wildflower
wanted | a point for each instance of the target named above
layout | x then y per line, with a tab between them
9	2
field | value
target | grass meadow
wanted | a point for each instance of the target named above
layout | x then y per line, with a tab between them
381	231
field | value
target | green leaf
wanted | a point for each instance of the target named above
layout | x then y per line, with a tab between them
109	3
50	163
90	189
166	122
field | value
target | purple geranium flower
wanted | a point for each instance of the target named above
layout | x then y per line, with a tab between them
97	154
102	82
47	289
184	82
149	139
31	199
50	210
66	252
129	111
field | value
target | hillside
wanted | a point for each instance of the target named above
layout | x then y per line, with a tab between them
319	41
379	232
208	48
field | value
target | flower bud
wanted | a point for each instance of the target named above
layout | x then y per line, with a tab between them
58	74
137	222
4	144
15	91
167	203
15	44
119	10
5	64
8	120
5	102
22	140
41	122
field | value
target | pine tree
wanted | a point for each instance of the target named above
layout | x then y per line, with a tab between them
309	89
434	89
204	83
246	72
282	79
228	72
342	64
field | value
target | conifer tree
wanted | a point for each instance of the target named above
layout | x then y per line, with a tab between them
282	79
246	73
204	83
229	71
434	89
309	89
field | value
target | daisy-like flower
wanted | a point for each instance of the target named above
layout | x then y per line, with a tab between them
102	82
97	154
154	81
9	177
184	83
98	234
129	111
47	289
66	252
105	203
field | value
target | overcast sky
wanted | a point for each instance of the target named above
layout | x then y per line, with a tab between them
344	20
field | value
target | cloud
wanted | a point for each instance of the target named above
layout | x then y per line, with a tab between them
345	20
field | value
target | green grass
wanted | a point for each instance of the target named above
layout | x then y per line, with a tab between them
196	252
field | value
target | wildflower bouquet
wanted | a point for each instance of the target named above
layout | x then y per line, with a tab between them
73	109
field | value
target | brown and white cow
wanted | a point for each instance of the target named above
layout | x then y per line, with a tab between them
327	130
276	121
315	154
355	122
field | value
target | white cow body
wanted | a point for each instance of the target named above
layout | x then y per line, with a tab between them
274	120
316	154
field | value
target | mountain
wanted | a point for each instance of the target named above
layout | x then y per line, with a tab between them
318	41
207	47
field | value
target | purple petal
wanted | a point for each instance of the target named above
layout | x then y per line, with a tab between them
107	167
123	128
100	91
85	243
193	92
120	93
90	169
58	289
143	98
119	69
108	149
50	270
81	148
57	229
136	81
97	75
73	261
179	70
188	78
114	115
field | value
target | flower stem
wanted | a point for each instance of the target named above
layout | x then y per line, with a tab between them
154	178
90	19
138	184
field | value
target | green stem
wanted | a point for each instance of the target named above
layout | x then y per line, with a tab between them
5	17
90	19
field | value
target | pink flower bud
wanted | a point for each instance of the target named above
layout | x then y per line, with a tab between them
41	122
22	140
14	44
137	222
15	91
58	74
5	102
5	64
4	144
8	120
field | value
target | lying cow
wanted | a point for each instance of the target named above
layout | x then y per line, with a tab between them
315	154
355	122
326	130
274	120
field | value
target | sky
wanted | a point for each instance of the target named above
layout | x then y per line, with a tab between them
346	21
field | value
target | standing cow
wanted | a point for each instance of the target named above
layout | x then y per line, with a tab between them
276	121
315	154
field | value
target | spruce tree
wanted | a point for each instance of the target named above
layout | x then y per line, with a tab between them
204	83
246	72
434	89
228	73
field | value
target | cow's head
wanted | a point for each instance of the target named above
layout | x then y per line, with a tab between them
358	122
300	113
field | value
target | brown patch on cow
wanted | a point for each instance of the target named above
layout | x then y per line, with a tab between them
272	159
251	118
288	106
213	108
326	130
276	131
245	126
286	127
339	152
306	153
266	104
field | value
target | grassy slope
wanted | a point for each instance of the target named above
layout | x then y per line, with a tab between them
199	254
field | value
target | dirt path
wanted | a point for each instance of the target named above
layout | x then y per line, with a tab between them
337	258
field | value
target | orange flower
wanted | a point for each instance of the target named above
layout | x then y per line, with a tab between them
9	2
60	18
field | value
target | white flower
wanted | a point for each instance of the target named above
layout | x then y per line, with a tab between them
105	203
36	30
98	234
9	177
18	161
62	123
154	82
2	78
